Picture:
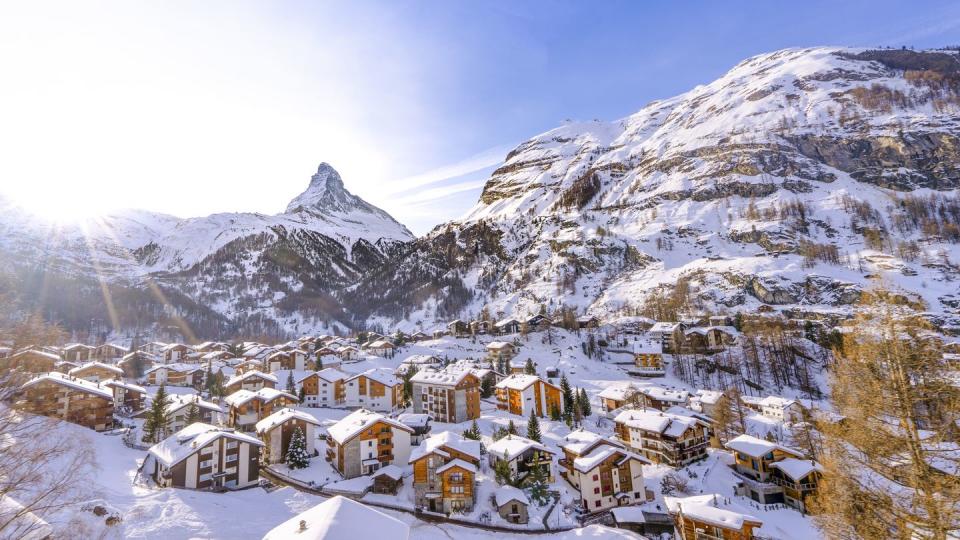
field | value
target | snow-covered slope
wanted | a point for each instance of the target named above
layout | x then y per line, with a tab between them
239	265
829	153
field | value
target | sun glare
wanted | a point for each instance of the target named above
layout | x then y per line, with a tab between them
61	208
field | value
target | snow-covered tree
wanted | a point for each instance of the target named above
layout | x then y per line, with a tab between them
533	427
297	456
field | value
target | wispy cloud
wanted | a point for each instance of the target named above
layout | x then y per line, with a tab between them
478	162
429	195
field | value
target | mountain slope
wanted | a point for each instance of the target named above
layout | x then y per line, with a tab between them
793	181
250	272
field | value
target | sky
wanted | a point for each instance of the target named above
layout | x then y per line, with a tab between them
192	108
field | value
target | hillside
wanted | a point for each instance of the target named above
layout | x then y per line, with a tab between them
793	181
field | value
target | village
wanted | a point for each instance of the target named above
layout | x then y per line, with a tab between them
519	425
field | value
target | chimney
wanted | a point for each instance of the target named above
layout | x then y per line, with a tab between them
303	525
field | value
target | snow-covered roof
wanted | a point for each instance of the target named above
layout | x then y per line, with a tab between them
447	377
180	401
663	327
580	442
340	518
72	346
282	416
628	514
776	402
507	493
253	373
71	381
795	468
177	367
756	447
598	455
671	425
457	463
36	352
519	381
703	330
328	374
620	391
173	346
647	346
513	446
382	376
414	420
126	385
420	359
391	471
449	439
241	397
710	397
357	421
497	345
703	508
380	344
192	438
660	393
505	322
97	365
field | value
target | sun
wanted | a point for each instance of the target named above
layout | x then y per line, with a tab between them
60	206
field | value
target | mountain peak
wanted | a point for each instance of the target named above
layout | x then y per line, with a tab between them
325	192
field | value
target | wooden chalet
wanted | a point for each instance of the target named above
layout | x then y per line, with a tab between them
445	469
365	441
458	328
71	399
205	457
78	352
30	361
96	372
673	439
246	408
109	352
277	429
704	517
520	394
128	398
252	380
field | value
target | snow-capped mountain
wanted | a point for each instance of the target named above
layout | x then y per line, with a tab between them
792	181
226	267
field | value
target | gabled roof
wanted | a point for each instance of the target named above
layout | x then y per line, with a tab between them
777	402
513	446
72	346
660	393
449	439
458	464
664	327
447	377
797	469
282	416
179	368
191	439
340	518
520	381
265	395
420	359
756	447
507	493
381	376
620	391
35	352
601	453
72	382
129	386
328	374
178	402
391	471
703	508
414	420
496	345
505	322
253	373
652	420
583	442
357	421
97	365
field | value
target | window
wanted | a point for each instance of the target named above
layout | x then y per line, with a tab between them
456	478
457	490
206	463
231	457
596	491
597	503
595	478
205	477
232	444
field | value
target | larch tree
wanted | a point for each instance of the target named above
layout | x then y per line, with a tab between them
730	415
891	461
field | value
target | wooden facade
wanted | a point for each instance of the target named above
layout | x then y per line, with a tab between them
58	397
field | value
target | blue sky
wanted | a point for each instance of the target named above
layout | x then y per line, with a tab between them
191	108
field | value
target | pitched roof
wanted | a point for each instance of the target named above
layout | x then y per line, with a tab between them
240	397
251	374
178	367
795	468
282	416
520	381
192	438
672	425
498	345
340	518
126	385
99	365
449	439
392	471
457	463
513	446
420	359
73	382
382	376
357	421
178	402
506	493
756	447
703	508
447	377
601	453
328	374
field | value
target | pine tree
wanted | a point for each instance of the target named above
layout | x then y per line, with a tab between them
158	421
567	391
533	427
408	384
297	457
208	381
486	387
193	413
473	432
302	394
584	403
502	471
528	367
537	483
511	428
554	412
883	463
291	385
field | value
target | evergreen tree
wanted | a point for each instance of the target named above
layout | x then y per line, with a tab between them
486	387
302	394
577	417
528	367
554	412
511	428
208	381
537	483
584	403
533	427
502	471
473	432
297	457
567	391
158	421
499	433
193	413
291	385
408	384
